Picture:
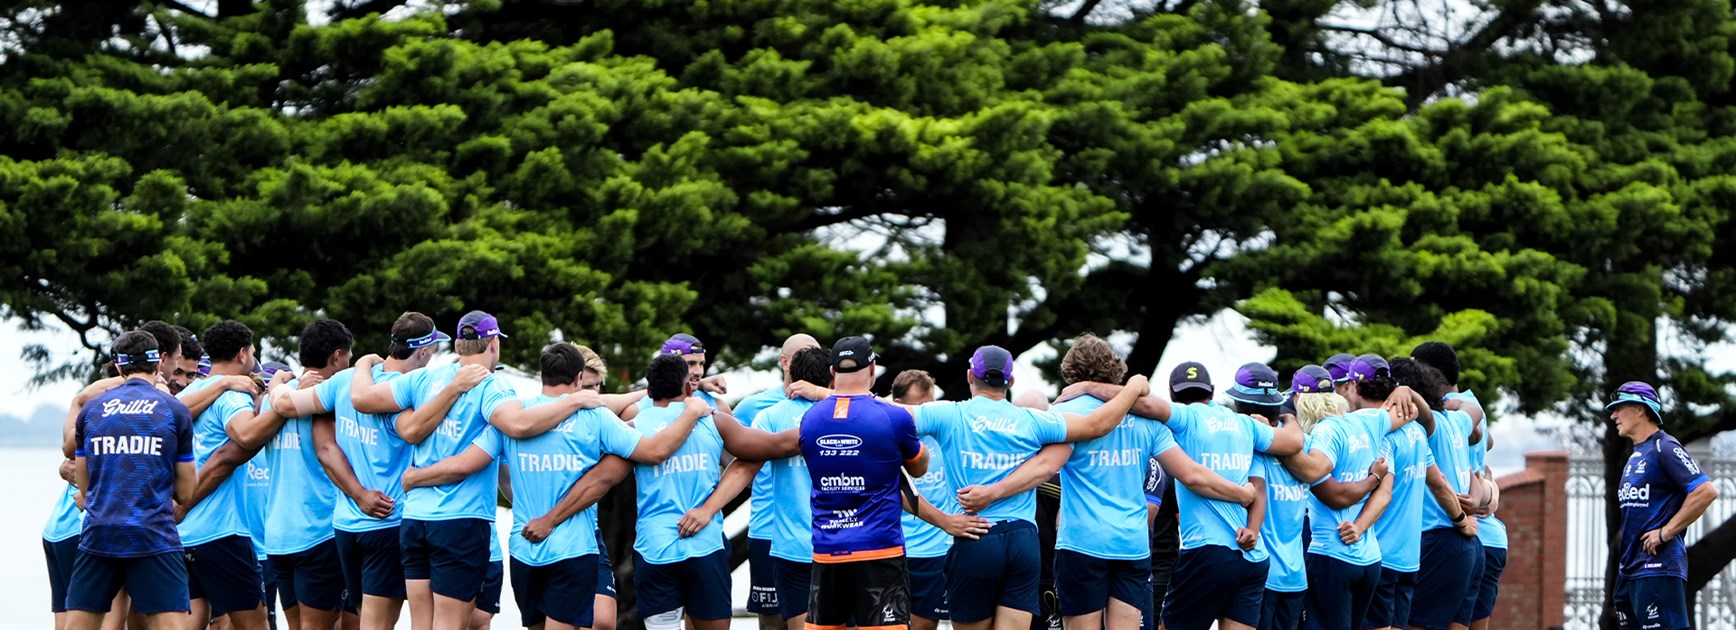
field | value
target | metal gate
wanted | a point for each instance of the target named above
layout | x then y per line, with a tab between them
1586	534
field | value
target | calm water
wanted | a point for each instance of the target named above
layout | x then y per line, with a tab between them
33	485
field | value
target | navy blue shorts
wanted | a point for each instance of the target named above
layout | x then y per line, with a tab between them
452	555
314	575
1211	583
268	591
564	590
794	580
61	556
1655	603
1084	584
1392	600
1451	567
373	564
605	569
156	584
224	573
928	587
1281	611
1494	563
700	585
1339	592
762	590
1000	569
493	581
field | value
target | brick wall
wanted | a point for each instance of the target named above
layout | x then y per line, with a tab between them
1534	507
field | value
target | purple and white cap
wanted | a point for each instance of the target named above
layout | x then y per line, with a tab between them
1367	368
1638	393
682	343
1311	379
992	365
481	326
1338	366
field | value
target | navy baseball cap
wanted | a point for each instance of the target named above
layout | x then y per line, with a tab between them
481	325
1311	379
851	354
1338	366
1190	375
1638	393
992	365
1369	367
1256	384
682	343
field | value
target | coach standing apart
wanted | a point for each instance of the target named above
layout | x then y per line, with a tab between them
1662	493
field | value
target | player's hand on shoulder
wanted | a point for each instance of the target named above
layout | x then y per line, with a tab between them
469	377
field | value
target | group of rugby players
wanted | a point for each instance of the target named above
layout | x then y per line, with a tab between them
1354	498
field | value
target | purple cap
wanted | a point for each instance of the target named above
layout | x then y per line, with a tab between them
204	365
481	325
1311	379
682	343
1368	367
992	365
1338	366
269	369
1638	393
1256	384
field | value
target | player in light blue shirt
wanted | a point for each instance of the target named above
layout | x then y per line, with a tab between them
926	546
1103	553
788	526
366	459
554	570
445	529
762	594
1491	532
1343	564
222	572
1287	500
299	542
983	440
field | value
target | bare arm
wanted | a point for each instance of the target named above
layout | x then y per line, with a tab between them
199	401
1030	474
1307	466
1203	481
517	422
755	444
1104	419
586	492
1286	439
450	470
918	466
217	469
69	433
419	423
1442	491
186	480
1353	531
958	525
253	430
337	467
1692	507
618	403
1148	406
81	476
735	479
1339	495
1247	537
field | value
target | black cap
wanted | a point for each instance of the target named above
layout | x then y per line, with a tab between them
851	354
1190	375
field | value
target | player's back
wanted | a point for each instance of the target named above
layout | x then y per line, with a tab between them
984	439
221	513
1224	441
131	438
855	448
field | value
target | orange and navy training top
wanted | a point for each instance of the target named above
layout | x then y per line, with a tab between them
856	448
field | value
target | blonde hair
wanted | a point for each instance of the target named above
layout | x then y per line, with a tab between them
1312	408
593	361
